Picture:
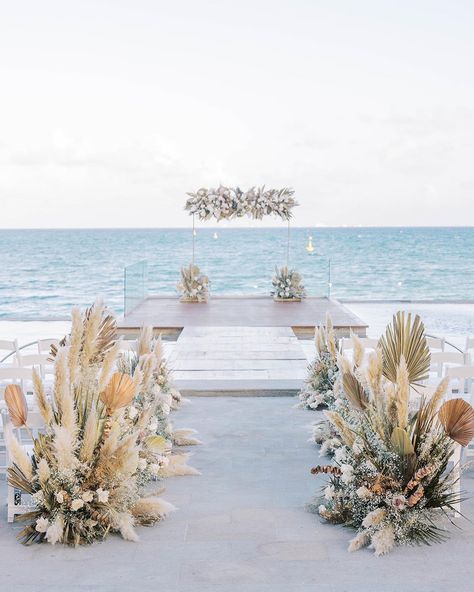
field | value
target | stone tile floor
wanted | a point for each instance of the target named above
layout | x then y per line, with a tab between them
241	525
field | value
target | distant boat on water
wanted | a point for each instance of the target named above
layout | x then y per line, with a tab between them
309	246
215	235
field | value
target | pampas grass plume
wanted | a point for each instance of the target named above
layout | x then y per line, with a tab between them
18	453
44	405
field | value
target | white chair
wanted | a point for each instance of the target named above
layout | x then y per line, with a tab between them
8	350
441	361
44	345
467	349
21	376
461	380
18	501
436	343
41	362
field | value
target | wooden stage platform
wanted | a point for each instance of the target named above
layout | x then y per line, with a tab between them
168	314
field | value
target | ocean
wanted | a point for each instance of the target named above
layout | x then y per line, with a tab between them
43	273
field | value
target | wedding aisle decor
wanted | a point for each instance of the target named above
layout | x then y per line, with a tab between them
194	285
158	458
84	470
318	391
228	203
287	285
391	480
324	433
165	377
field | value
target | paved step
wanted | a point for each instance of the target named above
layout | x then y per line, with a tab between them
238	361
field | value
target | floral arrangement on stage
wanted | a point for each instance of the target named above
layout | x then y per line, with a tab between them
225	203
287	284
194	285
391	480
84	472
323	371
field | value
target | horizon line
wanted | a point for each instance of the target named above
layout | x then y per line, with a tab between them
316	227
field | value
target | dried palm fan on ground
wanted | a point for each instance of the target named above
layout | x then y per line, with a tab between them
83	473
393	484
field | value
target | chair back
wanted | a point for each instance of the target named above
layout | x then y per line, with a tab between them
435	343
44	345
461	379
9	348
440	361
21	376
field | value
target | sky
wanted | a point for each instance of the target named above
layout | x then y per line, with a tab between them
111	110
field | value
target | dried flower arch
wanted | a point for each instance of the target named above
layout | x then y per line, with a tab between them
226	203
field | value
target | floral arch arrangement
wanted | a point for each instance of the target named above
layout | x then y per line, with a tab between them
228	203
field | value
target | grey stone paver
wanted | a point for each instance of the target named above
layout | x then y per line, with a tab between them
241	525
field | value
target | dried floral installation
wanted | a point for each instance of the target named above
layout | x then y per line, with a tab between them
225	203
84	473
320	384
324	432
287	284
391	480
194	285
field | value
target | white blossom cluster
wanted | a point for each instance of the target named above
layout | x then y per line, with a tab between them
287	284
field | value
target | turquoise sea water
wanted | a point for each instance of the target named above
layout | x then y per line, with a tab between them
43	273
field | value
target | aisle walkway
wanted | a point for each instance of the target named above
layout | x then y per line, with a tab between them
238	360
241	526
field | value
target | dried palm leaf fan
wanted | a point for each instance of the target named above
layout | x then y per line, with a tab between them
16	405
354	391
457	418
405	338
106	333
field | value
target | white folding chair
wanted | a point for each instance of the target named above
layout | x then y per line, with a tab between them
461	380
467	349
21	376
41	362
9	350
44	345
18	501
441	361
435	343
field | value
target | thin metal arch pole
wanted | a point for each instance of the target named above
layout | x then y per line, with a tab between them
194	238
288	246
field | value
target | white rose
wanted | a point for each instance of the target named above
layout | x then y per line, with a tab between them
60	496
102	495
132	412
42	525
153	425
88	496
76	504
